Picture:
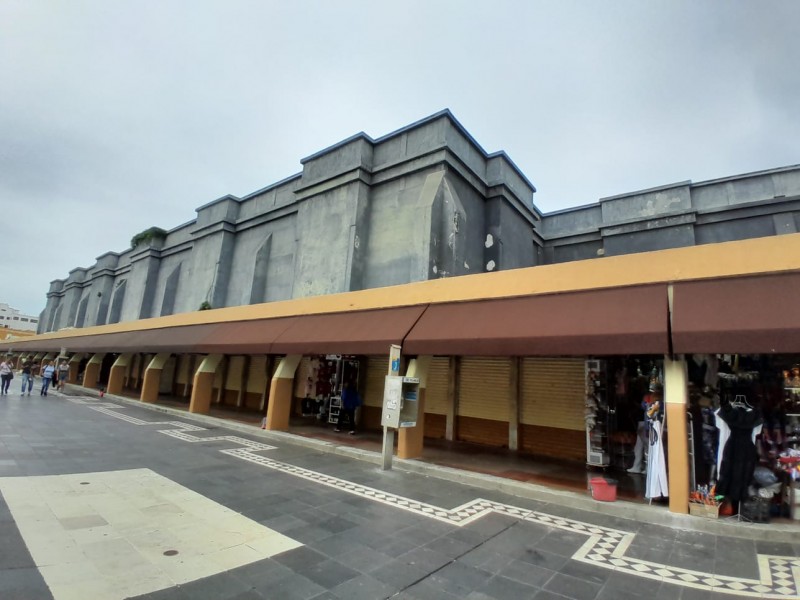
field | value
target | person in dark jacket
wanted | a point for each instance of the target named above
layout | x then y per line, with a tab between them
351	400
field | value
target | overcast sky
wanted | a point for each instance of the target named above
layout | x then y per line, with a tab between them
119	115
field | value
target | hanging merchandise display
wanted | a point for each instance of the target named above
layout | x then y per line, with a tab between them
596	414
739	423
748	453
657	485
324	383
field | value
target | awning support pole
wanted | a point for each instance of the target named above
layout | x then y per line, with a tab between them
388	448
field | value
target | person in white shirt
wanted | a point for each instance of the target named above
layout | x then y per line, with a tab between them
63	374
47	376
6	375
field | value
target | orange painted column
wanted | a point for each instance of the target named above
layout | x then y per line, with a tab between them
92	371
152	378
116	377
150	385
280	394
202	393
203	384
72	375
74	365
410	440
676	395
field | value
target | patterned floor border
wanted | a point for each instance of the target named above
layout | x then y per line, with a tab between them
605	547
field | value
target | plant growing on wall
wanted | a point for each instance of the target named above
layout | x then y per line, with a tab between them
205	306
148	235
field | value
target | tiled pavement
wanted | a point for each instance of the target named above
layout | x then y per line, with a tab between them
364	533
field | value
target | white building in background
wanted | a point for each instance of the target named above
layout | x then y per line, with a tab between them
11	318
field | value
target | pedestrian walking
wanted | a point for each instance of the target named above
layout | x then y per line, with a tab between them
47	377
63	374
351	400
6	374
27	377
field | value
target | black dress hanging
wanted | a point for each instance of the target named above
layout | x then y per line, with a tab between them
739	457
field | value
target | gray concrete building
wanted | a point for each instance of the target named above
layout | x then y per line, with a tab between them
423	202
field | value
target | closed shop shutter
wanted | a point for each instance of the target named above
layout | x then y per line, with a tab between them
257	377
218	373
182	374
136	366
233	381
436	390
168	375
377	369
551	393
483	388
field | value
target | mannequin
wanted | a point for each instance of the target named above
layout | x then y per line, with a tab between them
649	403
638	449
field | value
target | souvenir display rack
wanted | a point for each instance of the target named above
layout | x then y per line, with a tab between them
596	414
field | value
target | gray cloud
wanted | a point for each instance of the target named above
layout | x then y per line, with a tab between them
119	115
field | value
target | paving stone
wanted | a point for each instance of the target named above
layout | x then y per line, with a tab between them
356	547
573	587
363	587
503	588
529	574
328	573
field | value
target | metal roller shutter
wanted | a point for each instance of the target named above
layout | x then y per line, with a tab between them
377	369
136	366
483	388
257	377
233	381
182	372
218	373
168	375
551	393
436	392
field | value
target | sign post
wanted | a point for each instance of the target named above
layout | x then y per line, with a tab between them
388	432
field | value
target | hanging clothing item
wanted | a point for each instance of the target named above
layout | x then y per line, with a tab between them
657	485
724	434
739	456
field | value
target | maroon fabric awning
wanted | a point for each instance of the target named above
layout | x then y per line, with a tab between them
599	322
32	345
171	339
754	315
358	332
244	337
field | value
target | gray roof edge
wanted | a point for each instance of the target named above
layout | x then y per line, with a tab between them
447	113
217	201
272	186
746	175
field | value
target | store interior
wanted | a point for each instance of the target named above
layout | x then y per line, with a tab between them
743	432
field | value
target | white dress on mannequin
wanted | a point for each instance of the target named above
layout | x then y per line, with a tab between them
657	484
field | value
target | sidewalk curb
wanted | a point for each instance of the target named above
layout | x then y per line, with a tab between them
657	515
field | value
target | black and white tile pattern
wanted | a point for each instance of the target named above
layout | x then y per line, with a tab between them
605	547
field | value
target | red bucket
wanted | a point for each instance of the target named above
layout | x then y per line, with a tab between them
603	489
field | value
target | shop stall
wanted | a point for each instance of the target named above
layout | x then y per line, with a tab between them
745	428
